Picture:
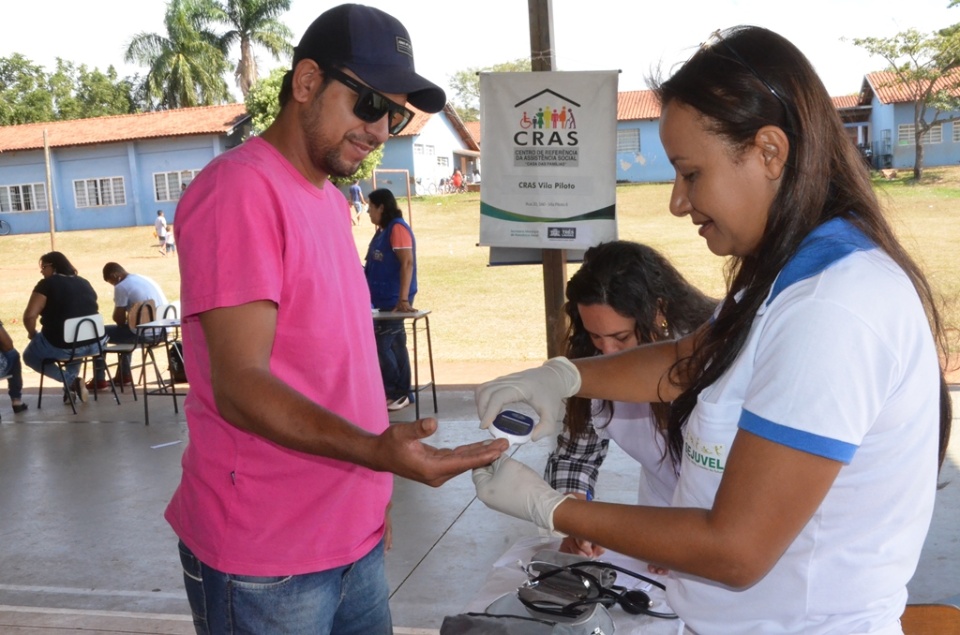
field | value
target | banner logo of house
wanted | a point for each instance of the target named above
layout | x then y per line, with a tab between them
547	134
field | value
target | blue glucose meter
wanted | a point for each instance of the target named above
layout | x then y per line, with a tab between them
513	426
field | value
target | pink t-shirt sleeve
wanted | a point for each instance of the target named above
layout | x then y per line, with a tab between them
222	266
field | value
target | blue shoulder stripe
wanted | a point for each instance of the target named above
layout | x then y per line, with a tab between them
797	439
834	240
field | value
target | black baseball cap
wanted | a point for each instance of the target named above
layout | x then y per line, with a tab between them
375	46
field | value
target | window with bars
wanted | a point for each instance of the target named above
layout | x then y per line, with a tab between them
628	140
167	186
906	134
443	161
99	192
27	197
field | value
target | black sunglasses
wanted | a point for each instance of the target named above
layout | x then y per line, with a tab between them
371	106
717	38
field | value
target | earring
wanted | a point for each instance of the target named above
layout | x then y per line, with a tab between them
665	327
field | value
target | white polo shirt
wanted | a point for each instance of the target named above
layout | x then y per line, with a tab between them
136	288
840	363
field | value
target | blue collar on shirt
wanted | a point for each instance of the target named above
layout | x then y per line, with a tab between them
829	243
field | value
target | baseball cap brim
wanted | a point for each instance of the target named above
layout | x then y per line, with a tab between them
422	94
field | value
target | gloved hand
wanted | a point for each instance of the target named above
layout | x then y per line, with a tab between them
544	388
510	487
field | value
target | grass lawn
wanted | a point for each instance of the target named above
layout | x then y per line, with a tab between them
493	317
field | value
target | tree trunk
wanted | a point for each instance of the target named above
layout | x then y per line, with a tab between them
918	161
247	69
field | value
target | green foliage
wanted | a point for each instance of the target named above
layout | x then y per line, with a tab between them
249	23
466	85
926	66
28	94
24	94
187	65
262	100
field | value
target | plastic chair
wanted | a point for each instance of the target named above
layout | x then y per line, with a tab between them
140	313
77	332
931	619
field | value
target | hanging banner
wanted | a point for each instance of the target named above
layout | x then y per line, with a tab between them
548	156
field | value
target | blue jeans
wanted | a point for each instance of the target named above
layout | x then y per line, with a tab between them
40	349
348	600
393	356
10	365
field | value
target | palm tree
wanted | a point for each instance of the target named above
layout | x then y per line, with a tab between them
187	65
253	22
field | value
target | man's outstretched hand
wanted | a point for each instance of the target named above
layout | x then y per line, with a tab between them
401	451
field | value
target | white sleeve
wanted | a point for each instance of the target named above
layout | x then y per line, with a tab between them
821	376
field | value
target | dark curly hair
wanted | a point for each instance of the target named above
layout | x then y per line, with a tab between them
637	282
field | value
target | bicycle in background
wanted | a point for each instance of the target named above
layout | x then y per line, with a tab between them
5	227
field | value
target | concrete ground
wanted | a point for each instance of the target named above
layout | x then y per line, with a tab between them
84	547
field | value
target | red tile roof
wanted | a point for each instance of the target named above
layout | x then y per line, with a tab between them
846	101
473	127
890	90
637	104
148	125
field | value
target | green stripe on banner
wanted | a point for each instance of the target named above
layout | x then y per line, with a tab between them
605	213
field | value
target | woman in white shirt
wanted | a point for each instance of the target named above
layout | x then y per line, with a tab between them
810	416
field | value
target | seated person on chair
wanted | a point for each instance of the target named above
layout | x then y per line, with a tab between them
10	368
61	295
130	290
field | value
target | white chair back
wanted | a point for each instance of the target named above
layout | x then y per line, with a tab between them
86	328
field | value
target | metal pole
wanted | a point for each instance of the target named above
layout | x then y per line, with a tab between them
46	159
554	260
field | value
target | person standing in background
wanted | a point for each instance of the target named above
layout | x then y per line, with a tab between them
391	270
356	201
160	229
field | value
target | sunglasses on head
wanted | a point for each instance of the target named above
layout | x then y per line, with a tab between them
371	106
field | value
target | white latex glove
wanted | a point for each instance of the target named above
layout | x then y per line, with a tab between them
510	487
544	388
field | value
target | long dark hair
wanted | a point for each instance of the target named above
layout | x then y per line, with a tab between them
59	263
637	282
391	210
748	78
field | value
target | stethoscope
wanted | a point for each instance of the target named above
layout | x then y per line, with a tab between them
633	601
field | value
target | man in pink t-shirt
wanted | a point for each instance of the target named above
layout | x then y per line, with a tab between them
282	507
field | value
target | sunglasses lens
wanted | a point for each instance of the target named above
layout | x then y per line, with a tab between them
371	107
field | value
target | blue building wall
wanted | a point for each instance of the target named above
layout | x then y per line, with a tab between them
651	163
135	162
892	152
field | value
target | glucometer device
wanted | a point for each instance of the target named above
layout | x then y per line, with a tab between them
513	426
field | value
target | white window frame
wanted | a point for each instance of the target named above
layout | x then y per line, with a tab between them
418	148
956	131
443	162
106	191
906	135
23	197
168	185
628	140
